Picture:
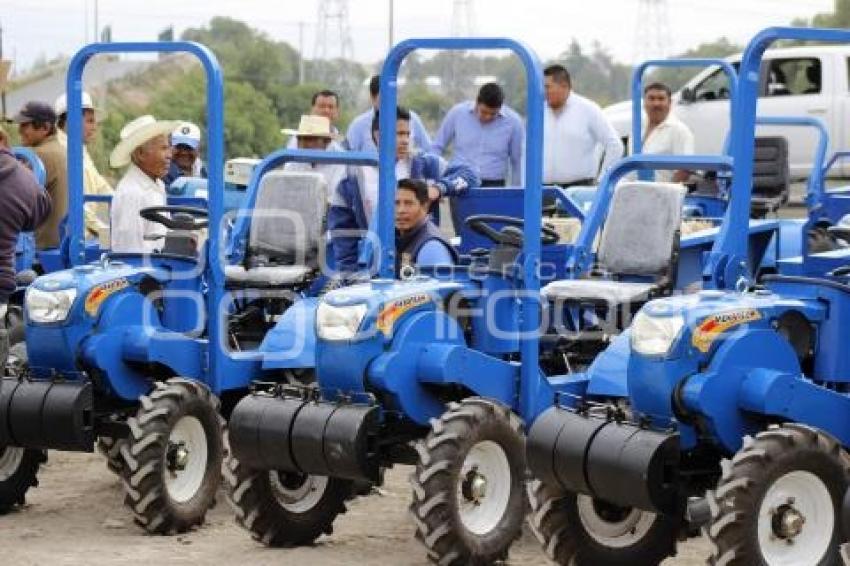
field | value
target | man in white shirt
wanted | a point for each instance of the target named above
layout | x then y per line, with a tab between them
574	128
662	133
145	147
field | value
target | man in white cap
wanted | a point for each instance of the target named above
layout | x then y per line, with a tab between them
144	146
93	181
315	132
185	149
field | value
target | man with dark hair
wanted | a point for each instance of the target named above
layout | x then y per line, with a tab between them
574	128
323	103
663	133
37	128
418	241
355	200
359	135
487	135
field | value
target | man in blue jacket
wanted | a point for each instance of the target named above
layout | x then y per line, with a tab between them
354	201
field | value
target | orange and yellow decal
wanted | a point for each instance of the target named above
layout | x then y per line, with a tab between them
393	311
713	326
101	292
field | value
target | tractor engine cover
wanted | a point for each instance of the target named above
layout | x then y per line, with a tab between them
310	437
44	414
620	463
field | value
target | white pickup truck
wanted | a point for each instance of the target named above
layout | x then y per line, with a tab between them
795	81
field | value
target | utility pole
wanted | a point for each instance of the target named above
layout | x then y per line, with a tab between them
2	78
96	27
652	37
391	26
301	53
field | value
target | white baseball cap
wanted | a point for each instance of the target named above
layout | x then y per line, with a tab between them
186	133
61	104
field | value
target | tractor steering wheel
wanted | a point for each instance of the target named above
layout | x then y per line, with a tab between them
482	224
177	217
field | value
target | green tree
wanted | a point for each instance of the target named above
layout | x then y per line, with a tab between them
675	78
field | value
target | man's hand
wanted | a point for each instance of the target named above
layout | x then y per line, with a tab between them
434	193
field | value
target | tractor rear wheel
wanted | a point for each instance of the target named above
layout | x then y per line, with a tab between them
18	466
469	485
283	509
172	457
110	448
779	500
580	530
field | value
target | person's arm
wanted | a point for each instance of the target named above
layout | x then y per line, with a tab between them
341	227
352	134
516	152
434	252
456	179
42	205
683	144
445	134
420	133
605	135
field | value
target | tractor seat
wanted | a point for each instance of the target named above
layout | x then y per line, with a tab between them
286	232
640	240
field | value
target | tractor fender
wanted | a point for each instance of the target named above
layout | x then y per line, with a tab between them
291	344
722	395
608	374
397	371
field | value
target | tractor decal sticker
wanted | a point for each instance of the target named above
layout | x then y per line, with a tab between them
393	311
100	293
713	326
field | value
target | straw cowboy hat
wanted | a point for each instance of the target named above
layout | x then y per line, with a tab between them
136	133
312	126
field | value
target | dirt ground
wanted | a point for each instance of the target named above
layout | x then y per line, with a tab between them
76	517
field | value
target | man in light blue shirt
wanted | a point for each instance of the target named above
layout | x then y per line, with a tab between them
487	135
359	135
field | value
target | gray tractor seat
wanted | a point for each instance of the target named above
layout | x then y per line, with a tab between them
286	233
640	239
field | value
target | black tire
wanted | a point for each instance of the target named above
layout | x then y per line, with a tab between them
110	448
18	473
267	505
152	459
774	456
18	466
442	519
561	522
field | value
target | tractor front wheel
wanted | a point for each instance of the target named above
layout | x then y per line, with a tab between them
469	485
283	509
779	500
173	456
581	530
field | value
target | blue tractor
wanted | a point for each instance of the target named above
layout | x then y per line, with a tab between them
440	369
149	350
735	414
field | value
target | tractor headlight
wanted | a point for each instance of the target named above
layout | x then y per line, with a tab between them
654	335
49	306
339	323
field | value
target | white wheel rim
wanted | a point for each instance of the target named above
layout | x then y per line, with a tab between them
804	494
301	497
10	460
184	480
487	463
622	532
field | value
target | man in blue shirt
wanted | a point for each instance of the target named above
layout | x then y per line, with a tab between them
359	135
418	241
487	135
185	154
354	201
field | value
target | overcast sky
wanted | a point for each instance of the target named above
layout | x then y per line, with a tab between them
50	27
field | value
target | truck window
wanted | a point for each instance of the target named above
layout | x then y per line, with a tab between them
714	87
793	77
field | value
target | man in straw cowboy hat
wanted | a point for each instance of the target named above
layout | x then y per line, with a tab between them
315	132
145	147
93	181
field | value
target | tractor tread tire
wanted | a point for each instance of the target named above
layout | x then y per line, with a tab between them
143	453
434	508
110	448
13	490
257	509
748	475
555	522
